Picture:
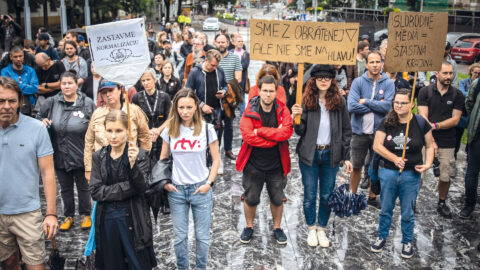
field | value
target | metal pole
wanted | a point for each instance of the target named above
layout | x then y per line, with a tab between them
315	4
28	25
63	17
421	6
87	13
376	4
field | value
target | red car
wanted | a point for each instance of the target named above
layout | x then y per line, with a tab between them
467	50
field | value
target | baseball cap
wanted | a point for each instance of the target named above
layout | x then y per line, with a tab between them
323	70
43	36
167	40
81	38
104	84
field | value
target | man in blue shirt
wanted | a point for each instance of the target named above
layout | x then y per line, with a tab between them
24	76
23	159
369	100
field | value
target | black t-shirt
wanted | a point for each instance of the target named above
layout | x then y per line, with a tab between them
441	108
212	88
50	76
267	159
395	138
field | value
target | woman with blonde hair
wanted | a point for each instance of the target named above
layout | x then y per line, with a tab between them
188	139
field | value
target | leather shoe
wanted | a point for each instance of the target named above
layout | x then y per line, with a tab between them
230	155
444	210
67	223
86	223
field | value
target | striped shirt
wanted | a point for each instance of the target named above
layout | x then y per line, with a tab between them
230	64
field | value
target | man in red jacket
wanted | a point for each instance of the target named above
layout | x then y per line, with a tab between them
266	125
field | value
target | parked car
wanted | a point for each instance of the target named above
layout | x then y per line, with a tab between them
467	50
454	37
379	36
211	24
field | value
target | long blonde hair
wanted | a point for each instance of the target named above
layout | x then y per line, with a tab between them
174	119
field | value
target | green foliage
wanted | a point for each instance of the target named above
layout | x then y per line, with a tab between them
365	3
136	6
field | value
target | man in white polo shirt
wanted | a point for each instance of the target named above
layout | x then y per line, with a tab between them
26	153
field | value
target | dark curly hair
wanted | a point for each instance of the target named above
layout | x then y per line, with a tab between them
333	99
391	120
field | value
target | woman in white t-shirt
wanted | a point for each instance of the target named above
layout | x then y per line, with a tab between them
186	139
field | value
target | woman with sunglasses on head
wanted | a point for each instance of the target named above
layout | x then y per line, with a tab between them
120	177
187	138
96	138
389	143
325	134
67	115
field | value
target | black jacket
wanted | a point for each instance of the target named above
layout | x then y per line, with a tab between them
340	134
69	125
132	187
172	87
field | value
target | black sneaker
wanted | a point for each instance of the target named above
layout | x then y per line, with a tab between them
374	203
365	183
246	236
407	250
466	211
378	245
280	236
444	210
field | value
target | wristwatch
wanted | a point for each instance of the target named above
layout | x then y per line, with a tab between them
210	183
46	85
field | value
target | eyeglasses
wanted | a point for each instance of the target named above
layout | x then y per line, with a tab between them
398	103
198	44
323	78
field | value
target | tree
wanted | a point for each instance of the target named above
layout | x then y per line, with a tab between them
16	6
414	5
136	6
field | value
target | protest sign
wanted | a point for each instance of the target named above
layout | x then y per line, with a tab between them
304	42
119	50
416	41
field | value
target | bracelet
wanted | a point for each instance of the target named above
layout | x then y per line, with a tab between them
53	215
438	126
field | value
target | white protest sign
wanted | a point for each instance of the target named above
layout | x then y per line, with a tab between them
119	50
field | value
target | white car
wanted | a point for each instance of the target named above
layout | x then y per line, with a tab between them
211	24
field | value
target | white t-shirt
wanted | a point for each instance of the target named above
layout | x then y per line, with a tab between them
189	154
368	125
323	136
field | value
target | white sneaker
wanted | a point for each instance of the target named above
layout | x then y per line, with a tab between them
322	239
312	239
220	169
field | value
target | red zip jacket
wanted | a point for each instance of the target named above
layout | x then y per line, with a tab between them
266	136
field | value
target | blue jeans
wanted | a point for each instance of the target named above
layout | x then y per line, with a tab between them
322	172
241	108
405	186
201	205
471	174
226	130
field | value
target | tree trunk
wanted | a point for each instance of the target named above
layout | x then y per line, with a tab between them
45	13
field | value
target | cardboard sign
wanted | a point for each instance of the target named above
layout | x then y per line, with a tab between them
119	50
416	41
304	42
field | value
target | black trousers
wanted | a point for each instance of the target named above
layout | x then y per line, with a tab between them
66	181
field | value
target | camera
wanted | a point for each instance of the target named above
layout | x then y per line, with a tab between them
436	167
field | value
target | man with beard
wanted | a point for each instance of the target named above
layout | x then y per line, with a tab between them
174	57
207	46
266	127
28	58
441	105
75	62
195	57
26	154
24	76
232	67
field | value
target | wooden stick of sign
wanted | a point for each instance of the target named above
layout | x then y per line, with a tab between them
409	115
299	90
127	101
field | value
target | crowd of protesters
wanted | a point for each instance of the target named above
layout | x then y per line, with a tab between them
181	108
